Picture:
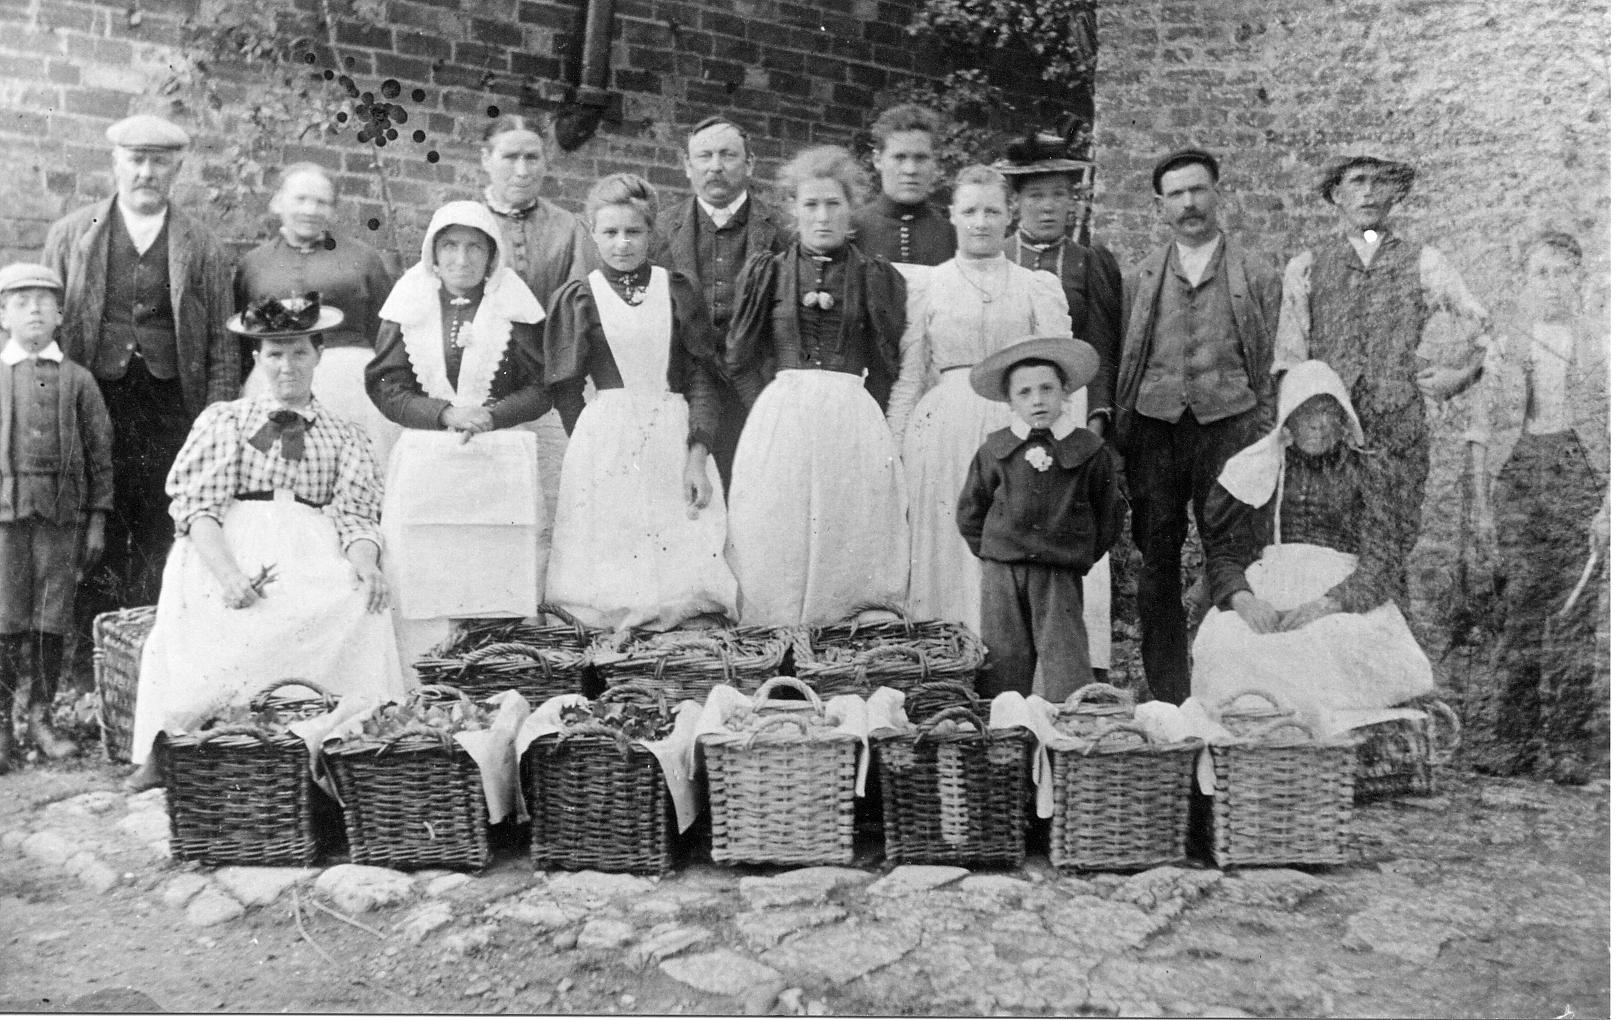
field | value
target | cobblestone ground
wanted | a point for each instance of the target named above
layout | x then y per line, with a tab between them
1491	899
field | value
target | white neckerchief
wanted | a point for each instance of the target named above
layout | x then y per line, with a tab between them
413	304
15	353
1061	428
143	227
1194	260
720	215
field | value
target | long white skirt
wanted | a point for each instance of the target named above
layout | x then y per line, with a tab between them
626	552
945	430
817	518
311	623
1338	665
339	382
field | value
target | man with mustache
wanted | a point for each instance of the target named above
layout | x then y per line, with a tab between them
148	293
711	236
900	225
1194	386
1360	302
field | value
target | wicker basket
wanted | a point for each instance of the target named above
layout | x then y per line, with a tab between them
416	802
1121	802
539	661
120	637
689	664
1280	795
782	797
598	800
237	796
1398	758
923	701
1094	708
955	798
850	658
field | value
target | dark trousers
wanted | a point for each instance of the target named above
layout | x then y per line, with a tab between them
1034	616
1401	443
1170	466
149	425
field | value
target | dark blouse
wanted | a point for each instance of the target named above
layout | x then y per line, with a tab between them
575	347
1342	501
916	234
350	275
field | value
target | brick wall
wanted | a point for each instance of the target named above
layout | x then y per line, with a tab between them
1503	106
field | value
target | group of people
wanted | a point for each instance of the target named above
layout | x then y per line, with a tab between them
775	418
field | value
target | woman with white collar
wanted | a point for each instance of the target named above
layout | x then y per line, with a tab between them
458	364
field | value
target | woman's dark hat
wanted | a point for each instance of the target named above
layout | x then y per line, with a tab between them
1077	359
1401	173
1044	152
286	318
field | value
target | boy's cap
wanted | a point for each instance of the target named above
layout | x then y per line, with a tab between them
1077	359
19	275
143	131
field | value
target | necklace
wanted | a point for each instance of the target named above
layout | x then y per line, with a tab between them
987	295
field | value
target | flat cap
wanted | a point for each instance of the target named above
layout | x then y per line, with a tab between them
19	275
1184	157
143	131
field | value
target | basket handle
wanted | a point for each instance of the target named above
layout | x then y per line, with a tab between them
956	714
234	731
418	731
501	648
551	609
1098	692
852	621
776	721
1444	720
595	729
630	690
1256	692
1266	733
792	683
942	687
261	700
438	692
1115	729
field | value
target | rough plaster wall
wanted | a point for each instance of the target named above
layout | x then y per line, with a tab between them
1503	106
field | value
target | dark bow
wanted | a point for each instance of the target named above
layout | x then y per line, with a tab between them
272	315
288	427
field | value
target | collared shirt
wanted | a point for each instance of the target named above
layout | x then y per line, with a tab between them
722	215
1194	259
337	472
15	352
1061	428
143	227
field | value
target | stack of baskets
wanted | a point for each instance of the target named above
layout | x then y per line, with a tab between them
1399	757
689	664
1281	795
598	798
955	792
120	637
538	660
244	794
782	791
416	800
850	658
1121	801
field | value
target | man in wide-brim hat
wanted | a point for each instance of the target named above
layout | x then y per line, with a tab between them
1360	302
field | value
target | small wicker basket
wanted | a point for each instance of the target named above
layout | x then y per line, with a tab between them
120	636
1121	802
955	798
1399	757
854	658
689	664
237	795
539	661
599	800
782	797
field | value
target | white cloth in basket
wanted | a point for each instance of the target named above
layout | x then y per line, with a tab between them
844	712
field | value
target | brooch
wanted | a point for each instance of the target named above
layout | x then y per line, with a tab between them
1039	457
818	298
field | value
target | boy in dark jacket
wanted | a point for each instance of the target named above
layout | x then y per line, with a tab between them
1040	505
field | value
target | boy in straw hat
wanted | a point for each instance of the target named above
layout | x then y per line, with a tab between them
1040	505
55	491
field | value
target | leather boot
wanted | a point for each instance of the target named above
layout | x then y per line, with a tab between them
47	671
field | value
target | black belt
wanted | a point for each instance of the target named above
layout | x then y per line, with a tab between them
267	496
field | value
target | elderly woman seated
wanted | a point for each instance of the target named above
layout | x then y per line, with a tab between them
276	570
1302	562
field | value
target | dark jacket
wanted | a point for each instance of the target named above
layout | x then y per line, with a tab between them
675	244
199	289
84	436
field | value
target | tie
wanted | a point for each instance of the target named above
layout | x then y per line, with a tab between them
288	427
1041	435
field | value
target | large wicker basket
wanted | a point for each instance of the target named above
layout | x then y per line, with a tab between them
598	800
855	658
1280	795
1399	757
689	664
538	660
955	797
416	802
237	795
784	794
923	701
120	636
1121	802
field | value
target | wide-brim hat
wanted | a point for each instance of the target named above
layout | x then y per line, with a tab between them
24	275
1041	152
1077	360
288	318
1402	173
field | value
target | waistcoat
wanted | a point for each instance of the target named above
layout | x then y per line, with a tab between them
1195	360
137	316
1366	320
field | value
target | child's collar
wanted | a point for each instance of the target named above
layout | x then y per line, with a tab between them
14	352
1061	428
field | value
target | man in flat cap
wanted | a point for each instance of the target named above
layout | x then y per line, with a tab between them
1193	387
711	235
1360	302
148	293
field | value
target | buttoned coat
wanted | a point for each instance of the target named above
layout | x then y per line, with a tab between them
199	289
84	436
1254	291
675	246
